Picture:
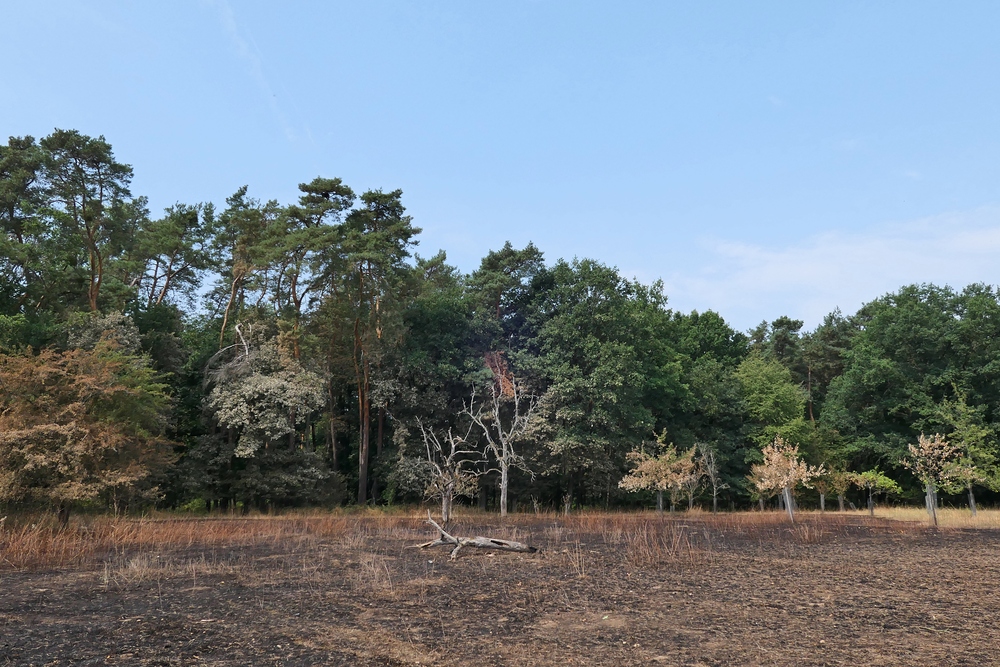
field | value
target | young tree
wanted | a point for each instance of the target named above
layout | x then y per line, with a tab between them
709	464
693	482
667	472
976	463
503	417
933	461
839	481
874	481
783	470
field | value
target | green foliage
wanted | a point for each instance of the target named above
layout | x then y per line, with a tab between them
319	337
874	481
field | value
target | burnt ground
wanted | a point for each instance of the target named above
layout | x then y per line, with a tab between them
605	590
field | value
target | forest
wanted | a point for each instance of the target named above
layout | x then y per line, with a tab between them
262	355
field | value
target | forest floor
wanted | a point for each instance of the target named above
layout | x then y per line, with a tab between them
606	589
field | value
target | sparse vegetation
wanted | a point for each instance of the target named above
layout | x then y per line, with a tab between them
322	587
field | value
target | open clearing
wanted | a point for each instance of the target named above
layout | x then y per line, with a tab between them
607	589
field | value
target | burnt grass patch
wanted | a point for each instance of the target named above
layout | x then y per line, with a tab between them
605	589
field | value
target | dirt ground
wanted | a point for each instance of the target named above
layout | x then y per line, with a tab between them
604	590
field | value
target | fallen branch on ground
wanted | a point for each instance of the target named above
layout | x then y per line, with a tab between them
480	542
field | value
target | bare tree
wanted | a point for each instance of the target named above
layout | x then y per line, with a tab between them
503	417
692	483
448	461
709	463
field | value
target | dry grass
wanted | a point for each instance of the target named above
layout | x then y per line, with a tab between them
643	538
38	542
947	517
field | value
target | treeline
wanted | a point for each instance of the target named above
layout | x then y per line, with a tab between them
265	354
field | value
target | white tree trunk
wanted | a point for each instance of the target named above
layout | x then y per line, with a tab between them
504	478
931	500
481	542
822	502
659	501
787	495
972	501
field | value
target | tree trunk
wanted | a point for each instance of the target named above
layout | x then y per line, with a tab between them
840	501
690	502
931	501
972	501
446	498
504	478
715	501
63	515
482	488
789	505
871	504
761	501
567	503
822	502
366	419
481	542
381	428
659	501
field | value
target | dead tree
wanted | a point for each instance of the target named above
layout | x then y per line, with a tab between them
479	542
448	461
710	465
502	431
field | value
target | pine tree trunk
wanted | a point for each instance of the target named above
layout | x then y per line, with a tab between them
366	419
381	429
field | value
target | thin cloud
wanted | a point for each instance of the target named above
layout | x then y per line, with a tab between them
243	44
747	283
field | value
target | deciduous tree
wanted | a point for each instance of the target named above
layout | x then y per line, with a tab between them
783	470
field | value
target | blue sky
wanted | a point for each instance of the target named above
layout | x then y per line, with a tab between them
761	158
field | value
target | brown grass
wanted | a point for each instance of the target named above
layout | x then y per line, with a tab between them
644	538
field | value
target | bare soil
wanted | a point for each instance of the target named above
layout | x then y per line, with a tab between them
609	589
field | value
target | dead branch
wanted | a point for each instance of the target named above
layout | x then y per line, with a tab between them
479	542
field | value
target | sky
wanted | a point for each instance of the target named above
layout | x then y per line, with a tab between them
761	159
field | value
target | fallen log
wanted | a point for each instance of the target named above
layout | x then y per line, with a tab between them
479	542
